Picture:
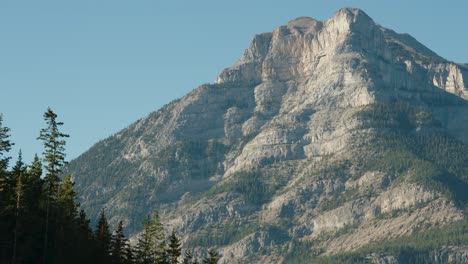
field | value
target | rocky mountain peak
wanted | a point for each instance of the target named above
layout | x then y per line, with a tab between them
335	130
295	48
352	16
305	25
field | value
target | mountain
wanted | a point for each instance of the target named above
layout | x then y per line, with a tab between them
323	139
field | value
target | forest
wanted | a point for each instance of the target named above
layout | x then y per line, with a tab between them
41	220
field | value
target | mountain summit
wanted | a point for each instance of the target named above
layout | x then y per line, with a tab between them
323	138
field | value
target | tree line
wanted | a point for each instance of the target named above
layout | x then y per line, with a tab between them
41	221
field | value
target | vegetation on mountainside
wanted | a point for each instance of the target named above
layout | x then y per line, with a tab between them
416	248
41	222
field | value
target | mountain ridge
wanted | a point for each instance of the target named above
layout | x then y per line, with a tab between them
284	145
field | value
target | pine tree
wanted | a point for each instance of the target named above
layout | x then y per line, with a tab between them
6	182
34	188
20	167
174	251
103	234
19	172
54	151
144	250
212	258
188	257
67	198
83	225
54	156
5	145
151	246
120	247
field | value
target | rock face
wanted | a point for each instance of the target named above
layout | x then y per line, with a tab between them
296	142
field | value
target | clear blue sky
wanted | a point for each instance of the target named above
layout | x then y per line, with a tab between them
102	64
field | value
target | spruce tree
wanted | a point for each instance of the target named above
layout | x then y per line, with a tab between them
83	225
6	182
174	251
33	190
212	258
143	250
54	157
54	151
19	168
188	257
5	145
103	234
19	205
67	198
120	247
151	247
7	219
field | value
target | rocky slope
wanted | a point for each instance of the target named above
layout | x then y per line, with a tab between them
331	134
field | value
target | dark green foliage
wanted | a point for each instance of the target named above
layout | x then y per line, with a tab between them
54	151
417	248
247	183
33	227
188	257
121	252
408	143
399	115
212	258
174	250
151	246
102	233
5	145
230	233
41	222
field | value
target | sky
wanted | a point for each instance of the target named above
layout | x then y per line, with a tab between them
103	64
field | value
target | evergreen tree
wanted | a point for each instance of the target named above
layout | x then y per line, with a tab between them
20	167
83	225
54	156
163	257
19	193
6	180
20	177
28	206
174	251
212	258
151	247
5	145
188	257
34	189
67	198
103	234
120	247
54	151
7	219
144	251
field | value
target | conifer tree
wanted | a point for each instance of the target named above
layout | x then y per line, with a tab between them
143	250
6	183
54	151
188	257
120	247
151	247
83	225
212	258
6	194
33	190
67	198
174	251
19	171
103	234
20	167
54	157
5	145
